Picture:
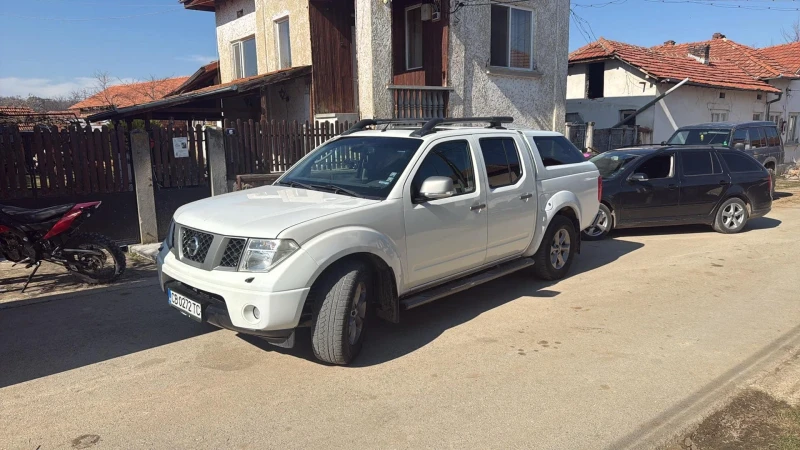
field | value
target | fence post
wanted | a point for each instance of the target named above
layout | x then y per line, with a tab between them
215	152
589	139
143	180
568	131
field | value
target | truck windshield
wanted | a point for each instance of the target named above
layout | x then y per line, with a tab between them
359	166
701	136
611	163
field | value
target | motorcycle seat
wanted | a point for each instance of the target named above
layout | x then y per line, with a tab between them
28	216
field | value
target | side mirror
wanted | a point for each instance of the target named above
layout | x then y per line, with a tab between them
663	142
434	188
638	177
738	146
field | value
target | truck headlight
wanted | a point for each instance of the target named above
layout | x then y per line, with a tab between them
261	255
170	239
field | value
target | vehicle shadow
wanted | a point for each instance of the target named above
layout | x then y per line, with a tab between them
759	223
779	194
67	331
420	326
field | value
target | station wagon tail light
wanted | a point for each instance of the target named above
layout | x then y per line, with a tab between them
262	255
599	189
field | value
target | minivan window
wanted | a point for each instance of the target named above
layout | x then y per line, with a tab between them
757	138
773	140
740	137
701	136
557	150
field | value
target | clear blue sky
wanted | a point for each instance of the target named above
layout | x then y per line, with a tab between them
134	39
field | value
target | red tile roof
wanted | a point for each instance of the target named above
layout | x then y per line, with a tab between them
125	95
15	110
672	63
787	55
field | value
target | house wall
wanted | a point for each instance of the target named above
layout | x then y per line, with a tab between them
788	104
534	99
576	81
624	87
267	12
691	105
374	55
296	107
230	29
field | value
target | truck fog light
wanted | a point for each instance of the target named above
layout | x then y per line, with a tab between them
252	314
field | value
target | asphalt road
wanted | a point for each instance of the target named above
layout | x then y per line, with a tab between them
651	330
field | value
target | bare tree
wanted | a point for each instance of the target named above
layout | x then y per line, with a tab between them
792	34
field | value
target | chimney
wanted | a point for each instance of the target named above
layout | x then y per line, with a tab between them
669	42
700	53
717	36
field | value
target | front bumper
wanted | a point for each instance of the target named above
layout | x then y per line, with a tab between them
234	291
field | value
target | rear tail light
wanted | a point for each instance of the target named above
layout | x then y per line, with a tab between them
599	189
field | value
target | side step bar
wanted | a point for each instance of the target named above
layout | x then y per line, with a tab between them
465	283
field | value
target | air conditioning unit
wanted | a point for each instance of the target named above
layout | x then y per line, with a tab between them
426	12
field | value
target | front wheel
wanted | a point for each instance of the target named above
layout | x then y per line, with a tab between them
94	258
554	256
731	216
341	298
602	225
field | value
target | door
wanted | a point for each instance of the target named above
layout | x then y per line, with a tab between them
654	199
702	183
510	197
775	149
445	236
758	144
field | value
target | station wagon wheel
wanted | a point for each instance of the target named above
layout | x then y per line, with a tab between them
601	226
732	216
555	254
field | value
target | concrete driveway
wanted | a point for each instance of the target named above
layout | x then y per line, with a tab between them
652	329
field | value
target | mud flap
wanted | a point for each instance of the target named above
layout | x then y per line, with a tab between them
387	306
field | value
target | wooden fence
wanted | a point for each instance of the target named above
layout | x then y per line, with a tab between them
170	171
268	147
49	162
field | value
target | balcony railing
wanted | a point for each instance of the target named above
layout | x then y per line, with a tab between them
420	102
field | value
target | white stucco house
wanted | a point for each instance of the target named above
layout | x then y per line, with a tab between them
349	59
608	80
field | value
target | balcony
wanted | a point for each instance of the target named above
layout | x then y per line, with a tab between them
419	102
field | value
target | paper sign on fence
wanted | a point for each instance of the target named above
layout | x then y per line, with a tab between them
180	146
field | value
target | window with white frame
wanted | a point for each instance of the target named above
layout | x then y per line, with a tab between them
775	118
756	116
245	59
283	43
719	116
793	126
511	37
414	37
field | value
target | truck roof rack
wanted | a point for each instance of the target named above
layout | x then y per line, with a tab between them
429	125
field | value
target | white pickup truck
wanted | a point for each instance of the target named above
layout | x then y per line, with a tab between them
379	220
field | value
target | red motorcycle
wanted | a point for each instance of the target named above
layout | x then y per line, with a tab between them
30	236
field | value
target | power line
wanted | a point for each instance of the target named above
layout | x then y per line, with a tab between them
718	4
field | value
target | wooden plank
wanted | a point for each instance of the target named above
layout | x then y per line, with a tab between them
78	159
273	155
124	164
40	179
90	161
116	172
108	162
262	146
241	167
253	150
54	160
192	163
248	138
66	159
20	165
168	159
201	160
97	136
180	163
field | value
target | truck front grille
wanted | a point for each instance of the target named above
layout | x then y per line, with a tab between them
233	253
195	244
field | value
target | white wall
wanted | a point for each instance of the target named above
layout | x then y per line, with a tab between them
690	105
788	104
622	80
604	112
230	29
576	81
535	99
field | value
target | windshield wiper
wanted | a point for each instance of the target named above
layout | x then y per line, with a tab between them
298	184
339	190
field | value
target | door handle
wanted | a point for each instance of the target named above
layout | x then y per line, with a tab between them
477	207
525	196
672	187
724	182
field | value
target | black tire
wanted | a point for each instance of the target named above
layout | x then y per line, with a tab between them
732	216
603	226
548	268
336	295
94	269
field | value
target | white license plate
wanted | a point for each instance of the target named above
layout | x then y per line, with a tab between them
185	305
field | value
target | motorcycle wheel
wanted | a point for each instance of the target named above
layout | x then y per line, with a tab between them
104	264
